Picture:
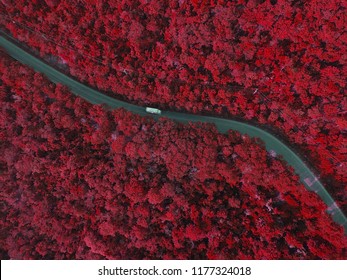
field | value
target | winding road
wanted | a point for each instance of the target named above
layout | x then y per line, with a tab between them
272	143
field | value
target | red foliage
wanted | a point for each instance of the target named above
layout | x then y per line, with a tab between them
165	191
279	63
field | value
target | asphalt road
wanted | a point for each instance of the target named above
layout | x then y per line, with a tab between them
223	125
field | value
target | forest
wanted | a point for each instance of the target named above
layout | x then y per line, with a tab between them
79	181
83	182
278	63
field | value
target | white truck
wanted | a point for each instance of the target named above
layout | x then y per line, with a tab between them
153	111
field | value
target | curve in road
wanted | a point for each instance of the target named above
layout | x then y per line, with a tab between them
272	143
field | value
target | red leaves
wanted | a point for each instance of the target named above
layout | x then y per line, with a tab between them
233	202
154	196
187	55
106	228
135	191
194	233
81	182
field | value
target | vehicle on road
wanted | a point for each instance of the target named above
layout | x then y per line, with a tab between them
153	111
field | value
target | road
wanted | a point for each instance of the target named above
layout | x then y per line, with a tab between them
272	143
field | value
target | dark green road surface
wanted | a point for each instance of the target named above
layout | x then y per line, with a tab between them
271	142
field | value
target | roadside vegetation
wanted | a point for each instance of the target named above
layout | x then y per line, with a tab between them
82	182
277	63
